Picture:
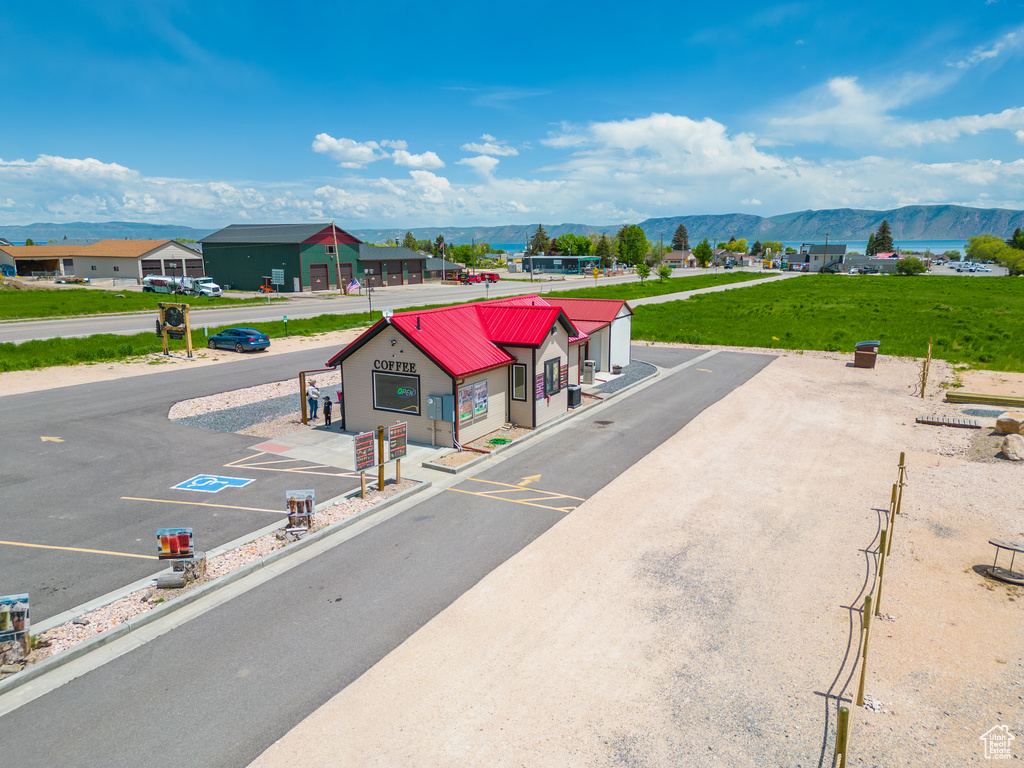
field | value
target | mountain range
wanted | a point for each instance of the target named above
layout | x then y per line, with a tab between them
912	222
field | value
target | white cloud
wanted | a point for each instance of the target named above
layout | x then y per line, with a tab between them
1009	42
346	152
482	164
490	146
426	161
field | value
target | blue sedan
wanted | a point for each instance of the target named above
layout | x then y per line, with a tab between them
239	339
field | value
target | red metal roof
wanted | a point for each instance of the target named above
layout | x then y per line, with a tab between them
594	310
464	339
518	325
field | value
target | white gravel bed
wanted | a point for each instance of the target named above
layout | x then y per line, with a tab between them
234	398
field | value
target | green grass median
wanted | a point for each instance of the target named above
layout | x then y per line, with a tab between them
655	287
17	304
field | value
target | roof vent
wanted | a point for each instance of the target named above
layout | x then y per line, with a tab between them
418	323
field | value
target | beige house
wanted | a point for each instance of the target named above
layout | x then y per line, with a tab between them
106	259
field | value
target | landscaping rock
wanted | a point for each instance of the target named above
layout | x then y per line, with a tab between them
1013	447
1010	423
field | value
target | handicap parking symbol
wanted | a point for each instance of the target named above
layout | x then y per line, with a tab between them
210	483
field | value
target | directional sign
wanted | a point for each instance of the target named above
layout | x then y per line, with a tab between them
210	483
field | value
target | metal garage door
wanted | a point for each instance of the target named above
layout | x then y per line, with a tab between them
318	277
415	271
194	268
346	273
151	267
374	279
394	272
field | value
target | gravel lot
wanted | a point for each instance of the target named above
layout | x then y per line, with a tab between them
697	610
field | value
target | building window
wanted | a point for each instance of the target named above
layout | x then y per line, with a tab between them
117	269
331	250
518	382
93	267
551	371
396	392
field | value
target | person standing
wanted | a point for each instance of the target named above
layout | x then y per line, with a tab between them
327	410
313	397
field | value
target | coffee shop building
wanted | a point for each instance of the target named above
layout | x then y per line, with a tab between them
455	374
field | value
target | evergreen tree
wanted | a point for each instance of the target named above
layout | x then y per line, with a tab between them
756	249
1018	239
871	250
603	250
439	246
539	242
681	239
409	241
883	238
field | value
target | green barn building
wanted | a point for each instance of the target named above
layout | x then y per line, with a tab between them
313	257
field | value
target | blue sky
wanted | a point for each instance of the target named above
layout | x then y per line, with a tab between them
407	114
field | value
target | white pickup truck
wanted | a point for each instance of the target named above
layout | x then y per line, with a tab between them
194	286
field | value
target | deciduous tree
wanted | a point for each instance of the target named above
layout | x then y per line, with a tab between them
643	271
664	272
911	265
703	253
633	245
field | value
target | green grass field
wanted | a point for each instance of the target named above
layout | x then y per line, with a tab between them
654	287
975	321
17	304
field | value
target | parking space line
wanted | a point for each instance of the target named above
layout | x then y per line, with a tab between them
300	470
204	504
523	488
566	510
79	549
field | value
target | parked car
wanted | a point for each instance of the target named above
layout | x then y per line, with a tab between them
239	339
490	277
466	279
870	270
854	271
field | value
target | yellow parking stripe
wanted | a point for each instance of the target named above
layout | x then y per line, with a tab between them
525	488
205	504
567	510
79	549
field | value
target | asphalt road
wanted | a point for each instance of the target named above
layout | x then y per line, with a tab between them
118	442
397	297
221	688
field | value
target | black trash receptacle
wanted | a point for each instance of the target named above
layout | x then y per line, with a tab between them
575	395
865	353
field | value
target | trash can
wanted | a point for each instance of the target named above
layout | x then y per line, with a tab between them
864	354
588	371
575	395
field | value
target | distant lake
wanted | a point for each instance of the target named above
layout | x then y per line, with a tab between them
920	246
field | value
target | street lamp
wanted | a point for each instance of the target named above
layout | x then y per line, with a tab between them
369	290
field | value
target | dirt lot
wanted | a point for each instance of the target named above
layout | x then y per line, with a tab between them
703	609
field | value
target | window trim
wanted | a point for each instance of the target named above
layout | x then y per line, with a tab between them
373	388
520	367
330	250
552	384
